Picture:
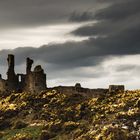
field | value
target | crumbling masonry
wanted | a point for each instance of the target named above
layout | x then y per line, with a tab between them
32	81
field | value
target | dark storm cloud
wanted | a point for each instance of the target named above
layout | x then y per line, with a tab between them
74	54
117	17
61	60
117	31
119	11
80	17
70	54
19	13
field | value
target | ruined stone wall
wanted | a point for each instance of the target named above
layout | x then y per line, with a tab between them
35	81
80	90
32	81
114	88
21	82
3	85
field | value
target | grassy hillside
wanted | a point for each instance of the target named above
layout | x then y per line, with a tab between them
58	116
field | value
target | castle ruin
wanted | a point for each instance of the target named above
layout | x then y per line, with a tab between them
35	81
32	81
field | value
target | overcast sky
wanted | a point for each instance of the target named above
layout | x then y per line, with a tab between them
94	42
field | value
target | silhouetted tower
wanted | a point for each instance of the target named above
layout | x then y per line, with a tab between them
29	63
11	64
12	78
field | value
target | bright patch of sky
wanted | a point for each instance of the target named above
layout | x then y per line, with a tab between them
35	37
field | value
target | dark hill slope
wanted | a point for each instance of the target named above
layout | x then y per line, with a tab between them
59	116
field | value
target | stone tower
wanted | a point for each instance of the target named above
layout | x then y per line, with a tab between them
29	63
12	78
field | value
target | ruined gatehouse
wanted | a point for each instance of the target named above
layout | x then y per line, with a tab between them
32	81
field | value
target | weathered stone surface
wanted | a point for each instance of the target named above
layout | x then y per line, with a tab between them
11	72
38	68
11	62
12	79
32	81
29	63
35	80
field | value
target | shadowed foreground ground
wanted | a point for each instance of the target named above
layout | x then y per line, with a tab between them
58	116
